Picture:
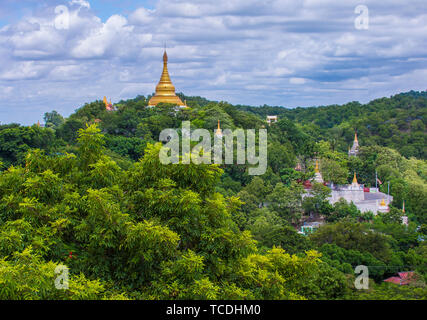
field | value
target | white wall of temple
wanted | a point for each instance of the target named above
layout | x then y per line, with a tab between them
358	198
371	205
348	195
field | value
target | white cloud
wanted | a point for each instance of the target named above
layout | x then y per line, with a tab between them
80	3
296	80
107	39
141	16
24	70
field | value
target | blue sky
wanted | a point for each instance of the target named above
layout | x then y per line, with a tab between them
276	52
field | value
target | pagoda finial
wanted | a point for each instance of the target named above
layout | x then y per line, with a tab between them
382	204
355	137
317	167
219	131
403	206
355	179
165	57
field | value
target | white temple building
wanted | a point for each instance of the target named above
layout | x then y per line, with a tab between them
272	119
365	199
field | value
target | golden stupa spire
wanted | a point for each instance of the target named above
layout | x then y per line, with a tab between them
382	204
165	90
355	137
317	167
218	131
355	179
403	206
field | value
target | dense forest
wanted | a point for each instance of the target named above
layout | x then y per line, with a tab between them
89	192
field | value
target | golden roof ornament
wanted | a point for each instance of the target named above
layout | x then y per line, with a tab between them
108	105
165	90
218	131
355	179
382	204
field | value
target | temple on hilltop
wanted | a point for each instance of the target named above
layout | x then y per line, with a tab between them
165	90
365	199
354	151
108	105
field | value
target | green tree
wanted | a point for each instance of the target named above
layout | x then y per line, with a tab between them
53	119
286	202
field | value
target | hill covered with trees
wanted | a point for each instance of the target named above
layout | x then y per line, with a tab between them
89	192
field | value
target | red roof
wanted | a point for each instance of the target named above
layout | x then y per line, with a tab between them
404	278
405	275
395	280
307	184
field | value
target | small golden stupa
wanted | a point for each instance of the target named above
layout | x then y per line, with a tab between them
355	179
165	90
218	131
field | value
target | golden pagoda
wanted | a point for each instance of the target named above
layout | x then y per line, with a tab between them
108	105
165	90
382	204
317	167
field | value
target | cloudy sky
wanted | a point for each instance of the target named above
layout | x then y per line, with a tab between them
57	55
